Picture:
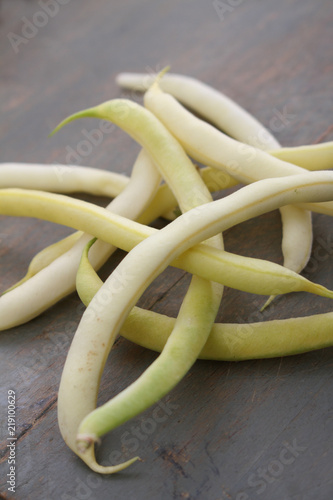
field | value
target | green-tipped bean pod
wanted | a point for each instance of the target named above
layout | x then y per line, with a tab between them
57	279
237	341
88	353
244	273
246	163
62	178
227	341
208	102
230	117
199	307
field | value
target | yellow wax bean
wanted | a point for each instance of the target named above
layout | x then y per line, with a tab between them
214	106
137	270
35	295
227	341
246	163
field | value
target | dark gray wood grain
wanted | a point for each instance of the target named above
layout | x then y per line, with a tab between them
228	431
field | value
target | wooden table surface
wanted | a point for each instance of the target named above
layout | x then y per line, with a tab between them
232	431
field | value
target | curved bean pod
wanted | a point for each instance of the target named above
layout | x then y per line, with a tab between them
311	157
236	341
219	109
201	141
244	273
46	256
164	201
62	272
87	280
197	312
246	163
237	122
228	116
35	295
201	303
87	354
147	130
62	178
143	185
227	341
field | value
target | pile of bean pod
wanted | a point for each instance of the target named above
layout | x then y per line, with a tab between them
164	179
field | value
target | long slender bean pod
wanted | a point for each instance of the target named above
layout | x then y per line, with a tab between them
70	179
208	102
298	226
246	163
311	157
201	141
31	176
57	280
205	144
230	117
46	256
227	341
144	128
296	222
143	185
244	273
62	178
87	354
87	280
46	268
235	341
200	305
196	315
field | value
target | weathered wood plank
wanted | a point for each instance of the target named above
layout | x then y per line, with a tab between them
228	431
